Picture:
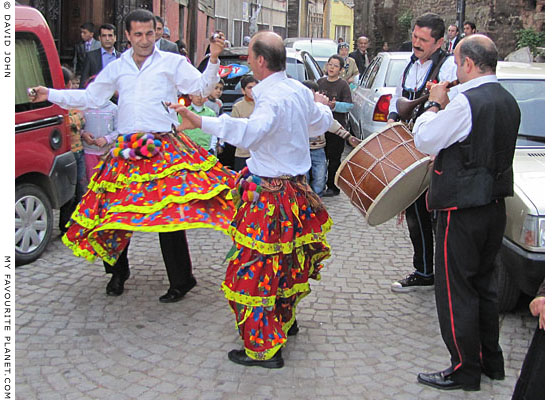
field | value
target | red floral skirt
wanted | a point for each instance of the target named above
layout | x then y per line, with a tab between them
279	232
181	187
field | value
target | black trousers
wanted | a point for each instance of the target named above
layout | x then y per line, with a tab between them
531	382
467	241
419	222
333	151
175	251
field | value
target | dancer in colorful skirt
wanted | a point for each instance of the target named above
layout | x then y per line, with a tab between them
279	229
155	179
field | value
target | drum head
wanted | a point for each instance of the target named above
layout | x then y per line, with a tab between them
401	193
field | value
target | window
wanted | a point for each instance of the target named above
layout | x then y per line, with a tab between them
31	69
237	33
342	31
368	80
222	25
394	72
280	30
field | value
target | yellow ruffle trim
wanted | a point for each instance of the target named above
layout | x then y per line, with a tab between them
285	248
91	223
264	301
264	355
123	180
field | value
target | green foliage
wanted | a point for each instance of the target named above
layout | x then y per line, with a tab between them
405	19
531	38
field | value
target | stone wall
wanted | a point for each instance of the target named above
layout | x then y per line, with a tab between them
499	19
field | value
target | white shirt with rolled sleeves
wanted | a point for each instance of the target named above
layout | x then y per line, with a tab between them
417	74
141	91
434	132
277	132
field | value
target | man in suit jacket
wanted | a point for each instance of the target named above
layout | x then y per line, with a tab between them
96	60
88	43
360	55
452	38
161	43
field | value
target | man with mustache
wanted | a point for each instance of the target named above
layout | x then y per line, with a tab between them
428	63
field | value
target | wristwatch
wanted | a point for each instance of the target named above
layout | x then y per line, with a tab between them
430	104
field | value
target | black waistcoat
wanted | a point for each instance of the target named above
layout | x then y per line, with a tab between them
478	170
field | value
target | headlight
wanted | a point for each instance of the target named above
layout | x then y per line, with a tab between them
532	233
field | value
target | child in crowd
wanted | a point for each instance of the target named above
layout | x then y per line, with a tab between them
208	142
214	101
243	109
76	122
99	132
317	145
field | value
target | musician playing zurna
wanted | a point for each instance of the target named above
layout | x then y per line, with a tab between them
473	138
428	63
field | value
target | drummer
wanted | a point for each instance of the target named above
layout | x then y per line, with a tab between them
428	63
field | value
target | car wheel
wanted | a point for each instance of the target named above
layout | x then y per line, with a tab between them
33	222
508	290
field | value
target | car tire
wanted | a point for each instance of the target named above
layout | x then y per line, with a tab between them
33	222
508	290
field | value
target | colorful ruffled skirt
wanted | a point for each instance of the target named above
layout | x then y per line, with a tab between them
181	187
279	233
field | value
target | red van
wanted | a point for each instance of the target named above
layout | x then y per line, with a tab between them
45	167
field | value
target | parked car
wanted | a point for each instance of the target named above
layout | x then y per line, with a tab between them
45	168
321	49
374	91
521	259
300	65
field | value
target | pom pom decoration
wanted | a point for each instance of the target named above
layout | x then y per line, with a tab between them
136	146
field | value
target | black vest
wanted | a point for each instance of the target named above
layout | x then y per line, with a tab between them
478	170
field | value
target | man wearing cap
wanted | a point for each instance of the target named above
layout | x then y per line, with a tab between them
350	69
162	43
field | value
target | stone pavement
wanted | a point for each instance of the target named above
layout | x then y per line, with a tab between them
357	339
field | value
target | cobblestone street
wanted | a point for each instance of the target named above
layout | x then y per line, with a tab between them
357	339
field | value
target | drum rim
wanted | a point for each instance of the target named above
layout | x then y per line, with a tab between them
362	144
425	160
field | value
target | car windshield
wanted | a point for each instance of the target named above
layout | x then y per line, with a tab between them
530	97
317	49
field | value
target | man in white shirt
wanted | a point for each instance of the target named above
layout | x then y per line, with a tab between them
158	186
280	225
473	140
428	63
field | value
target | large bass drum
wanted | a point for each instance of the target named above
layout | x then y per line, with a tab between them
384	174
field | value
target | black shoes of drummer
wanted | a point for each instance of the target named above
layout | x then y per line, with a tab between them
440	380
413	282
174	295
330	193
240	357
115	287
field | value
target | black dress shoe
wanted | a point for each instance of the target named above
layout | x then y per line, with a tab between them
115	287
174	295
331	193
293	329
439	380
240	357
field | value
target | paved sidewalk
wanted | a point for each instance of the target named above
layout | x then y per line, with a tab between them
357	339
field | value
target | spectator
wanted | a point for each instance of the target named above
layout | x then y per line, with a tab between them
87	43
162	43
214	101
360	54
385	46
204	140
350	69
98	59
340	102
182	47
452	38
469	28
76	122
166	33
244	109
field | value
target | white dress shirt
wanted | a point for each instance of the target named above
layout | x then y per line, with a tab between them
436	131
277	132
141	91
417	76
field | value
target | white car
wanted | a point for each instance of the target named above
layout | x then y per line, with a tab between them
321	49
521	259
373	94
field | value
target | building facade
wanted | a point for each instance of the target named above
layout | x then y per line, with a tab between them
342	21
